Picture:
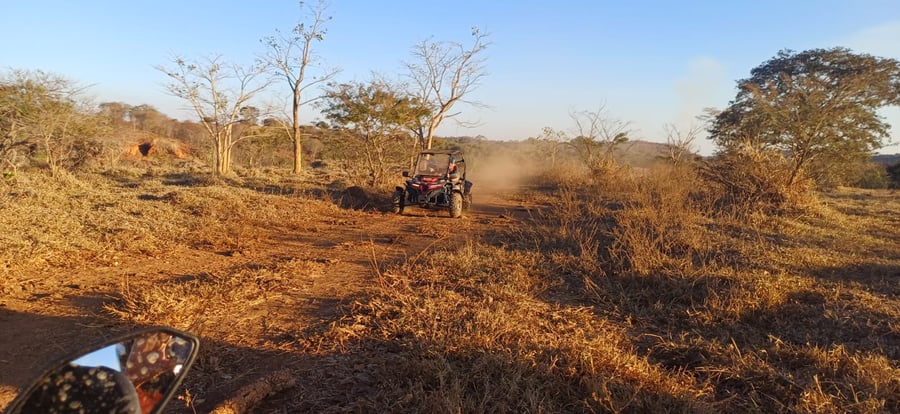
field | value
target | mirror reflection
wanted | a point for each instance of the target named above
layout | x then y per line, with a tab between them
132	376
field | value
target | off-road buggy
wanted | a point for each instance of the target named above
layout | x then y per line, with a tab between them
438	181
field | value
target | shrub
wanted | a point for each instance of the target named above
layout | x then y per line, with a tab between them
658	231
748	180
872	176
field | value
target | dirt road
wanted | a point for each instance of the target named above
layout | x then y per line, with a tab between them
54	312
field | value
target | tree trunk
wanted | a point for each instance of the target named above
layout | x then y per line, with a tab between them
223	153
800	158
298	156
298	140
431	127
227	160
221	158
795	171
370	161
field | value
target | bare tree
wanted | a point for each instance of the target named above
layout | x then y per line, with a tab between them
290	57
549	144
681	142
216	92
444	73
597	135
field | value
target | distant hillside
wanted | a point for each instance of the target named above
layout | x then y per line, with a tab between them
886	159
633	153
642	153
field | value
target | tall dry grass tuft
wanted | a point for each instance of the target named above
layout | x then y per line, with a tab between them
471	331
649	225
559	175
839	380
660	228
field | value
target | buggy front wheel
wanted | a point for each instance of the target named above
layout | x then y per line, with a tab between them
398	201
456	205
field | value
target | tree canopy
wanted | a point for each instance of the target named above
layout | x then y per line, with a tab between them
379	116
444	73
814	105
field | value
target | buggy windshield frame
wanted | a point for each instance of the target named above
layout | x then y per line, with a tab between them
432	165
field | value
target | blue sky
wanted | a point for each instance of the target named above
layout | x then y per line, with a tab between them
646	62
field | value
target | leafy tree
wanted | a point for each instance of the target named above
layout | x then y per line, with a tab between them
378	117
249	115
115	114
12	140
443	74
290	56
268	147
145	117
871	175
548	145
216	92
812	106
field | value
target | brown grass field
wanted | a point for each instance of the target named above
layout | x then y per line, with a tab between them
628	294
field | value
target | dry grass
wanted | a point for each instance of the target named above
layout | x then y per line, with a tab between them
88	220
617	294
481	336
749	180
762	309
67	221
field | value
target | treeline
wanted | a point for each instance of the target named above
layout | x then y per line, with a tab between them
801	121
47	123
380	122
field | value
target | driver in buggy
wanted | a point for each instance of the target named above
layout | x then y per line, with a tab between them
453	171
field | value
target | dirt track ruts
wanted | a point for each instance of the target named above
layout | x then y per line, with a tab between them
59	311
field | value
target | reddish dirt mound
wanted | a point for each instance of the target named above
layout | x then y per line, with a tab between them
159	146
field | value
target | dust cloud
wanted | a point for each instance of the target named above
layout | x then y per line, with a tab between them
501	170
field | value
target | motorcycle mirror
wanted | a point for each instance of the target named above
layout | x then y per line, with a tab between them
405	173
137	373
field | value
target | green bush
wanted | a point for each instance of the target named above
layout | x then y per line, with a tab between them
893	173
873	176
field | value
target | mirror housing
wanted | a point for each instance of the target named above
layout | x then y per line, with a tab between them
405	173
135	373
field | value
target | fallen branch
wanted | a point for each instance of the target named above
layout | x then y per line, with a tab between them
251	395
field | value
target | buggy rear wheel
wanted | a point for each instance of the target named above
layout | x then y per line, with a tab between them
467	202
456	205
